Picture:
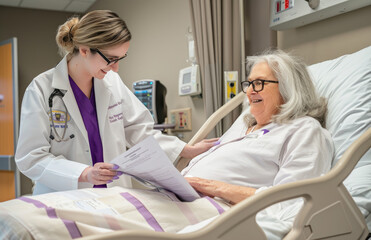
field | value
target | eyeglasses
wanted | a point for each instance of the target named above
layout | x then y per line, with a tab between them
109	62
257	85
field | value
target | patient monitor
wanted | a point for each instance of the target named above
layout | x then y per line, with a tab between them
152	94
189	81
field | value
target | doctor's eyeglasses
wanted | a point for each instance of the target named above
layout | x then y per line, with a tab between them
109	62
257	85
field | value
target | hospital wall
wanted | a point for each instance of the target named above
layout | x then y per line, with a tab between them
35	31
158	49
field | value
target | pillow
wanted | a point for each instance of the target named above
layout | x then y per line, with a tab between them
346	83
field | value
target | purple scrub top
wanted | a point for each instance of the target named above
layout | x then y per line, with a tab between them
88	113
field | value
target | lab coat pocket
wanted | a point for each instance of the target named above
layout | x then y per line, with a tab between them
63	138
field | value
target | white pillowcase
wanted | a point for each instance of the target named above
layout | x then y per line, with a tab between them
346	83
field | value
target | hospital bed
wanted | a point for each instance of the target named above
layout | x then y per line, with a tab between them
336	205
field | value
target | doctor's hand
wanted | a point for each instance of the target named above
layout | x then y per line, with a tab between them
200	147
100	173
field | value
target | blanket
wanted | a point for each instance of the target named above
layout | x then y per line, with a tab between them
84	212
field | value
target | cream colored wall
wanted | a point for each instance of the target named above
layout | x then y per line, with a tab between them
35	31
331	38
158	49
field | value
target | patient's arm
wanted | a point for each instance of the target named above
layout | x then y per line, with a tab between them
191	151
229	192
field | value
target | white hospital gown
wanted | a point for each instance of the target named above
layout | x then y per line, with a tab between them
276	154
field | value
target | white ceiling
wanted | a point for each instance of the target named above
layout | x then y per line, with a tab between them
56	5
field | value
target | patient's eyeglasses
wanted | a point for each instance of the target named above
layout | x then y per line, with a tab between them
257	85
109	62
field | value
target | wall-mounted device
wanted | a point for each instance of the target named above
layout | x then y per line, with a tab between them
230	85
287	14
152	94
189	81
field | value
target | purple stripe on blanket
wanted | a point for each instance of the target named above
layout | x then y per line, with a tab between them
70	225
72	228
50	211
216	205
187	211
151	220
38	204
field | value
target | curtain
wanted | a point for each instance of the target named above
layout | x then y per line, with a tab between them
216	28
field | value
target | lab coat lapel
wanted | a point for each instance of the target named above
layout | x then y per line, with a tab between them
73	110
102	99
60	81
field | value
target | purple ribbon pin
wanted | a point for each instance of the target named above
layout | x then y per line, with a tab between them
265	131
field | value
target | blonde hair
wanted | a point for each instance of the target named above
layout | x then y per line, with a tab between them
295	86
96	29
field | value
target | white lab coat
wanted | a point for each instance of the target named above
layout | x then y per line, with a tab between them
56	166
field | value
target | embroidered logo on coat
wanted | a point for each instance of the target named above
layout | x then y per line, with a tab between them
59	117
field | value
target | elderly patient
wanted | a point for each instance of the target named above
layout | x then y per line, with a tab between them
281	140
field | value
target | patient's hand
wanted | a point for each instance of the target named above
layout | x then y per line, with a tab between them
200	147
212	188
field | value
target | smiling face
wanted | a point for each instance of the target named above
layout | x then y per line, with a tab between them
264	104
98	66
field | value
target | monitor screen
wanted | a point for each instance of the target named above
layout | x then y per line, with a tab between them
152	94
186	78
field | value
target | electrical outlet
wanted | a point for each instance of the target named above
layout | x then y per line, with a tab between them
182	118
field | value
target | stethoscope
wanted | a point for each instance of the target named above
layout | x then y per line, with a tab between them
57	137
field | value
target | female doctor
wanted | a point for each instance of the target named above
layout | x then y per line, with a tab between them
78	116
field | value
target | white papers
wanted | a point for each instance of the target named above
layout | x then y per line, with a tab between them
147	162
95	206
76	200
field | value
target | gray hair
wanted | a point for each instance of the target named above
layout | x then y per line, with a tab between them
295	86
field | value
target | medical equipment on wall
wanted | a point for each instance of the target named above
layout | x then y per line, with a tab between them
152	94
189	81
189	78
286	14
58	116
230	85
